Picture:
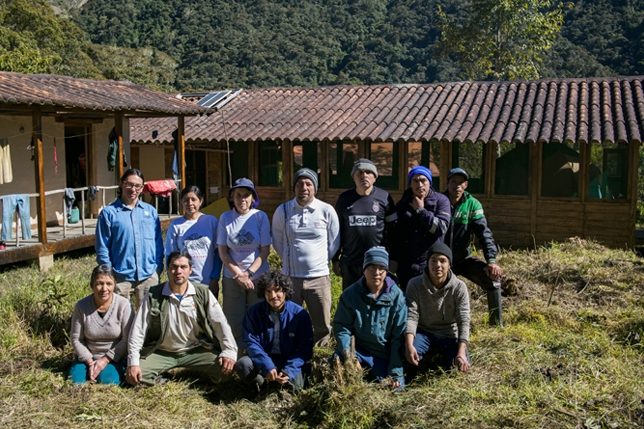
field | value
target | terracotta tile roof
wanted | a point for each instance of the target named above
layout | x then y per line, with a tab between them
62	92
549	110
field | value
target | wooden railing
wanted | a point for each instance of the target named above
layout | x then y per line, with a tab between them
82	190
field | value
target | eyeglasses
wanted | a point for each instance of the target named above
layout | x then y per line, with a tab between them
136	186
376	269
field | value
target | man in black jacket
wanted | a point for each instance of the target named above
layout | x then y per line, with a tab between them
467	220
423	218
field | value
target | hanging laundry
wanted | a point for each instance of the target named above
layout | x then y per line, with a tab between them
9	205
91	192
162	188
69	201
112	151
7	169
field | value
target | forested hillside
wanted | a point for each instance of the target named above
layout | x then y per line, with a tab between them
254	43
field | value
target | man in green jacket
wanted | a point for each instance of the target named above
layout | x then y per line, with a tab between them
467	220
179	324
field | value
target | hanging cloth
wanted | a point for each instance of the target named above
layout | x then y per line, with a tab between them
1	164
112	152
7	170
55	158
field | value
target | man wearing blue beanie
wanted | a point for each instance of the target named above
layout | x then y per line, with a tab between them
423	219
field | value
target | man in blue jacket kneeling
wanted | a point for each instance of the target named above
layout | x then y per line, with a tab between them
277	336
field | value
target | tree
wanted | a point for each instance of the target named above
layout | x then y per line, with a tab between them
501	39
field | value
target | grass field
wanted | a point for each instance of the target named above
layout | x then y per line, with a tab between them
571	355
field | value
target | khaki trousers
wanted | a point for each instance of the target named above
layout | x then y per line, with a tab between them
316	293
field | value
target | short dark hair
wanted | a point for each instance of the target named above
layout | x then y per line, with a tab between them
194	189
275	278
179	254
101	270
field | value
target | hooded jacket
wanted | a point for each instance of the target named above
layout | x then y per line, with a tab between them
377	323
444	312
468	219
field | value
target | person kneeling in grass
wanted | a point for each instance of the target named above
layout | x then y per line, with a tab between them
277	336
438	321
373	310
180	324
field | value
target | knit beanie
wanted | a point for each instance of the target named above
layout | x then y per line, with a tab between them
307	173
376	256
441	249
364	164
420	170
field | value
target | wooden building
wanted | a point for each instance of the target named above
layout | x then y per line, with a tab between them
56	131
548	159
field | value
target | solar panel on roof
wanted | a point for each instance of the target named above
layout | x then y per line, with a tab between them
212	98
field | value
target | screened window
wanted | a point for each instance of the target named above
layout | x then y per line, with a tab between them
270	164
560	170
471	158
385	156
307	154
608	171
238	161
512	167
427	154
342	156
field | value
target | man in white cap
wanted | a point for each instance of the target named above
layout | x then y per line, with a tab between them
306	235
365	213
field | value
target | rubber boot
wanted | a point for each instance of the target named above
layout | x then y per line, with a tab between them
494	307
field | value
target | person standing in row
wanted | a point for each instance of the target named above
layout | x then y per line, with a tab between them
196	233
128	238
365	213
468	219
306	235
244	240
423	219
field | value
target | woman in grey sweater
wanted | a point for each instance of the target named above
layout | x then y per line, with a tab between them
438	316
100	326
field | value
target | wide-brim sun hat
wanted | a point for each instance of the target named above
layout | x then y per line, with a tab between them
243	183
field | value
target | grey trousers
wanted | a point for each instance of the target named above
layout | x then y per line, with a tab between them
235	303
140	288
316	293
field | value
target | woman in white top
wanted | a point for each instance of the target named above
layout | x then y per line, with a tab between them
196	234
100	327
244	239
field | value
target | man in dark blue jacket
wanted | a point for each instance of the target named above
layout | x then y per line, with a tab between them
277	336
423	219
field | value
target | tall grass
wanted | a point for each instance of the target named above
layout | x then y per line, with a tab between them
571	356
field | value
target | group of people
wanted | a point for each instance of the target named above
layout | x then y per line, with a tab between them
402	311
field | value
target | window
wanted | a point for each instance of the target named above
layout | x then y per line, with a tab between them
512	169
427	154
270	164
608	171
385	156
342	156
238	161
560	170
471	158
307	154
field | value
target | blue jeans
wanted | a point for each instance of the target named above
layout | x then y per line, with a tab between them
113	373
9	204
435	351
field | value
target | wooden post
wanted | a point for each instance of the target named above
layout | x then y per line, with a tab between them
40	174
287	168
181	155
118	126
445	163
633	177
534	183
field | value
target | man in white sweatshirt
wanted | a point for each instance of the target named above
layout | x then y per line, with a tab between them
306	235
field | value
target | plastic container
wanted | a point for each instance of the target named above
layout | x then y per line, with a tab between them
75	216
